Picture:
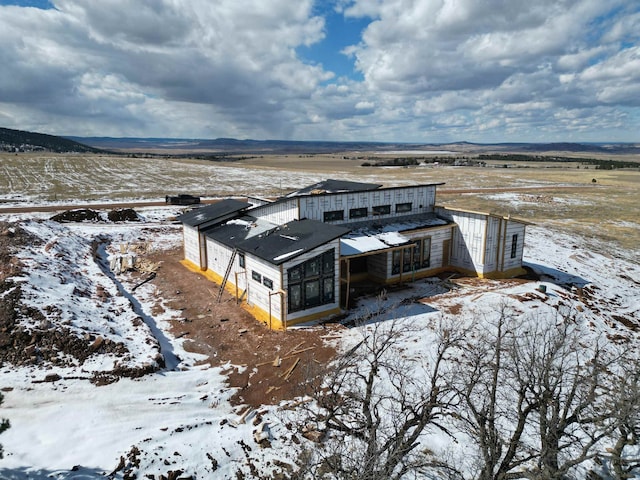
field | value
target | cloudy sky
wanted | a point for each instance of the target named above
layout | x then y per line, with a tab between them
376	70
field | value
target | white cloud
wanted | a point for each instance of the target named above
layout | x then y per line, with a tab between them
496	70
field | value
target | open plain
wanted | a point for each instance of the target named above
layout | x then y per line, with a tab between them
572	197
84	339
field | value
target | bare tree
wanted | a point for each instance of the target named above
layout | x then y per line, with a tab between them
625	397
535	396
569	372
375	405
496	397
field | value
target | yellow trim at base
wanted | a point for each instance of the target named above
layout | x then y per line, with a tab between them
277	324
495	275
255	311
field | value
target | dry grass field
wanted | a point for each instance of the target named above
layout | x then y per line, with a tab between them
560	195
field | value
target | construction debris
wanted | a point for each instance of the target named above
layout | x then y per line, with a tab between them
290	370
131	257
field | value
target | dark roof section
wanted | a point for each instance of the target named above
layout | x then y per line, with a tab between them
215	213
280	243
334	186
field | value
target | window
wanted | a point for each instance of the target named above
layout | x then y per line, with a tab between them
514	245
312	267
312	283
328	262
414	258
426	252
295	274
241	260
381	210
406	260
415	251
295	298
327	290
311	293
403	207
395	262
256	276
334	216
358	212
267	282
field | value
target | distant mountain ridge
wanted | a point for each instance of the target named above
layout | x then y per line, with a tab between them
22	141
247	146
18	140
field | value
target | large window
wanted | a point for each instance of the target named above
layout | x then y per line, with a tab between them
403	207
334	216
412	258
312	283
358	212
381	209
514	245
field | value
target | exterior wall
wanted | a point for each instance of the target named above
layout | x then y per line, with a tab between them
191	241
422	199
321	310
278	212
218	257
513	228
492	244
260	296
256	295
482	243
469	239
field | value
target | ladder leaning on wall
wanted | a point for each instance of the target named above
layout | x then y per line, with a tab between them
226	273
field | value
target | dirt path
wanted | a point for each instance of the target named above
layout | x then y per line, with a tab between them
93	206
113	206
227	334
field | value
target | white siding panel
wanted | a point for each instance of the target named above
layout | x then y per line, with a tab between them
468	246
422	199
278	213
514	228
258	292
218	257
491	247
191	244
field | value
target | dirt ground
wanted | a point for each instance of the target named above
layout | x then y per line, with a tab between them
227	334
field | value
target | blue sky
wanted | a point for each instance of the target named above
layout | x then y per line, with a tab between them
428	71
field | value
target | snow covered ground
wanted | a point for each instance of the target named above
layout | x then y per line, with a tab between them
180	418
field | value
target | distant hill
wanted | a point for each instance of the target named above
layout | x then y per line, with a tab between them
231	146
17	140
21	141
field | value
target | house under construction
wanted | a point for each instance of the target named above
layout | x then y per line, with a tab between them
295	259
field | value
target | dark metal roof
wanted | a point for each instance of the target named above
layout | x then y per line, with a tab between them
220	211
334	186
278	244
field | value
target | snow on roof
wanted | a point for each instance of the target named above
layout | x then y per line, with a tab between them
284	256
374	236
